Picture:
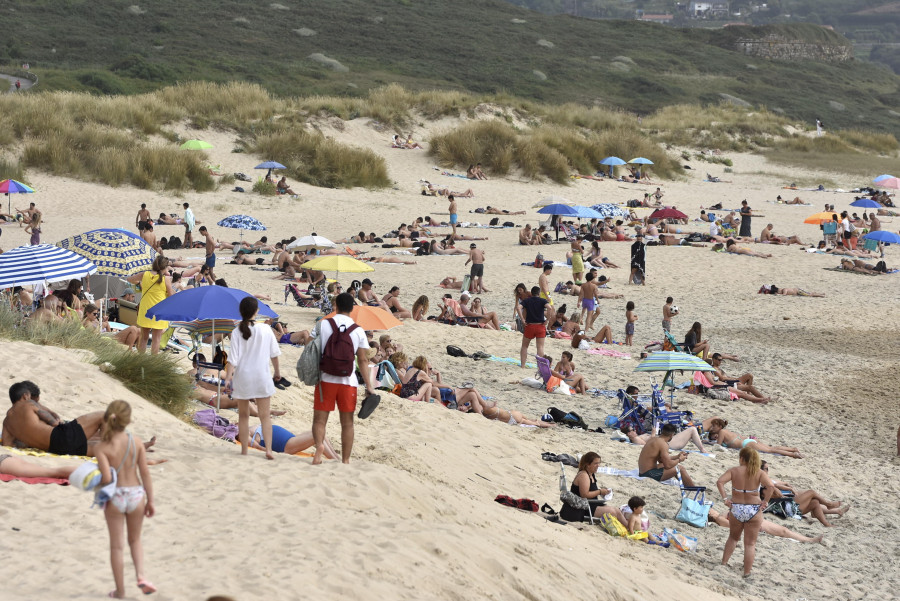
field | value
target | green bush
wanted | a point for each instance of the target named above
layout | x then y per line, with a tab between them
264	187
11	170
156	378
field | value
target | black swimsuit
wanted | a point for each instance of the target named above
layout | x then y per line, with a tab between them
570	514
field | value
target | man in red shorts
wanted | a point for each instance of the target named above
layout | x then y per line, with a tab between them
533	307
339	391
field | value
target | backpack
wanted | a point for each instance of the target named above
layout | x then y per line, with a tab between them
339	356
310	358
495	221
455	351
175	243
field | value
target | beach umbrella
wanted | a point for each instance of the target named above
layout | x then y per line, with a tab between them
865	203
270	165
338	264
196	145
552	200
882	177
640	161
673	361
560	210
371	318
893	182
310	242
113	285
612	162
587	212
11	186
880	235
242	222
115	252
820	218
607	209
205	302
29	265
667	213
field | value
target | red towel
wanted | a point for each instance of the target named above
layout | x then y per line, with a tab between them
60	481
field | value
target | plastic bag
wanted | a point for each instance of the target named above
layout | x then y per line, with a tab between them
680	541
612	525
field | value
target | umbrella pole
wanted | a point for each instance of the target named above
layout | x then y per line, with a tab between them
212	352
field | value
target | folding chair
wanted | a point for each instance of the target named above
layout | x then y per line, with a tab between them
571	499
671	344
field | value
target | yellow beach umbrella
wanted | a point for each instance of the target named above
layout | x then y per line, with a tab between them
338	264
820	218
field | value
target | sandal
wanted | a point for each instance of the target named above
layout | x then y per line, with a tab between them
146	587
545	508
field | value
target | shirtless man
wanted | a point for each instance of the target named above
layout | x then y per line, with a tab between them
142	215
404	242
526	236
544	285
732	247
476	256
495	211
451	283
655	461
210	251
767	235
454	217
744	383
28	424
368	296
150	237
587	301
392	300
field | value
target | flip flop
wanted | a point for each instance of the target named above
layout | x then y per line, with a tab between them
146	587
368	406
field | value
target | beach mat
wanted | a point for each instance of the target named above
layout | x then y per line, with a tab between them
9	478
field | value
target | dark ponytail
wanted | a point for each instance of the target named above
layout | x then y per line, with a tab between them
248	307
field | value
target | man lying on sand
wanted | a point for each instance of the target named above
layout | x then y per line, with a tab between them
767	236
732	247
495	211
773	289
28	424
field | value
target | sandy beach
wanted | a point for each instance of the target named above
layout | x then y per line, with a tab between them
413	517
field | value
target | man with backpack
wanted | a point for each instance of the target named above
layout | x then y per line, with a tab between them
343	345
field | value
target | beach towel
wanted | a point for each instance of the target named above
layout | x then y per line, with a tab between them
891	272
511	361
609	352
40	453
9	478
612	471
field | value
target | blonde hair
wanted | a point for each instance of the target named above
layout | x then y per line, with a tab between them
751	458
116	418
398	359
420	362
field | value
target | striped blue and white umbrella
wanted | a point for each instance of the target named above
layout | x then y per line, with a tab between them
29	265
242	222
114	251
673	361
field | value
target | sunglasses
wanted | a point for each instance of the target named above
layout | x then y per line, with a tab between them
96	313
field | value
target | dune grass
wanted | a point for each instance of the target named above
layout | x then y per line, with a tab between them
314	159
156	378
11	170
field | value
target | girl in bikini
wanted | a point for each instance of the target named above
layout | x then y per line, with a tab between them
745	504
127	506
730	440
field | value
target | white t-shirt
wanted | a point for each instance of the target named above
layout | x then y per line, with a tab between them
713	229
845	222
189	219
252	378
359	341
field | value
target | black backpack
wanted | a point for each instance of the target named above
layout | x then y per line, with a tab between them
495	221
455	351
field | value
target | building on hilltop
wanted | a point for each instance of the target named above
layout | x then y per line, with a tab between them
709	10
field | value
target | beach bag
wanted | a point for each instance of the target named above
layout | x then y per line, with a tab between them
215	424
309	361
573	420
680	541
339	356
455	351
86	476
612	525
509	224
557	414
784	508
495	221
719	393
694	512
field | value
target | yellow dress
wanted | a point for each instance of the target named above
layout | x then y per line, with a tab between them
152	291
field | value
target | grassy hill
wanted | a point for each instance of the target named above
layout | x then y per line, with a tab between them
485	46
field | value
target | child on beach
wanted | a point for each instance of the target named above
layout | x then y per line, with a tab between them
35	228
126	506
637	520
630	318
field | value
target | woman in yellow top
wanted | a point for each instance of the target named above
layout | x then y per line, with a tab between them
156	285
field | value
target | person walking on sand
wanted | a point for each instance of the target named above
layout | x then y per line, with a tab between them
476	256
143	216
745	504
189	223
338	385
253	345
156	285
587	299
454	217
126	506
669	311
210	251
534	308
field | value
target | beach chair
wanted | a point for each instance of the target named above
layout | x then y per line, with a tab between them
571	499
870	245
293	290
829	231
461	319
546	374
670	344
634	414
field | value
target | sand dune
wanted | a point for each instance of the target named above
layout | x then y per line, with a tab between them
413	516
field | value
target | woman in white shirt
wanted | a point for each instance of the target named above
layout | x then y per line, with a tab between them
253	345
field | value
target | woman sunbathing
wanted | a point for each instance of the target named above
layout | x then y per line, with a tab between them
678	442
386	260
301	337
285	441
440	248
809	501
491	411
732	247
773	289
732	440
487	319
574	381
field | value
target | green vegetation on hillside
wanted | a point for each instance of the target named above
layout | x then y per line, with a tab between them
349	47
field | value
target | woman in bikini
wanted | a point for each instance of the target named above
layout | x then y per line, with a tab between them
491	411
731	440
745	504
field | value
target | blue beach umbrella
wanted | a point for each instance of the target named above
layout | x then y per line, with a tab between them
612	162
242	222
114	251
881	178
205	302
865	203
640	161
270	165
29	265
880	235
587	212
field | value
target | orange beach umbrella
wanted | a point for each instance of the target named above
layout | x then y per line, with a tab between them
371	318
820	218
